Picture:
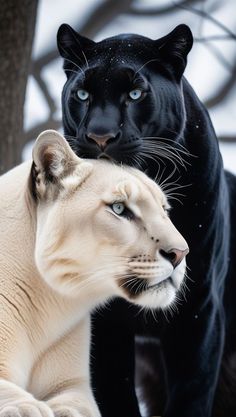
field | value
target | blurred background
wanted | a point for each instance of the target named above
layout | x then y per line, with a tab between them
31	75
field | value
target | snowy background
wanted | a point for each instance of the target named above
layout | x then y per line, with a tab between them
210	62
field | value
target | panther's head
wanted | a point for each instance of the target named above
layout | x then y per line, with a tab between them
103	230
123	95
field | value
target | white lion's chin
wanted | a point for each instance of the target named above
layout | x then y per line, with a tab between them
163	295
157	298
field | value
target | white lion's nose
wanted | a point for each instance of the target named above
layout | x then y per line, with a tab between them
175	256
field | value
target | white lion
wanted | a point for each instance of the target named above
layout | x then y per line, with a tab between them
74	233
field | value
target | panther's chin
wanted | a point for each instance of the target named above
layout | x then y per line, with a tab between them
104	155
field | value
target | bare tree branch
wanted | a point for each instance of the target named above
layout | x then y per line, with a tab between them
213	38
178	6
43	86
207	16
219	56
102	14
34	132
224	90
157	11
227	139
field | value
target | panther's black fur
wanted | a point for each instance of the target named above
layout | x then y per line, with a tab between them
198	344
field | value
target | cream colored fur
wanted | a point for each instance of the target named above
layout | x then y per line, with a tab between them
63	251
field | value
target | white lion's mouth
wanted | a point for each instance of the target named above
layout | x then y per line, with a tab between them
153	271
159	285
153	284
164	282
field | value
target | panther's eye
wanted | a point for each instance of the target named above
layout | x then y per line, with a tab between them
118	208
135	94
83	94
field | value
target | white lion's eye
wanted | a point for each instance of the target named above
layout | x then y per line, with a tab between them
135	94
118	208
83	94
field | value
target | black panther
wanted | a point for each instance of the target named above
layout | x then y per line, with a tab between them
126	99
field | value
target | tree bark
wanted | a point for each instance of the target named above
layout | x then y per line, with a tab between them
17	23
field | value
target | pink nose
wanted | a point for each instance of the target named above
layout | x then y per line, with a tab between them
175	256
101	140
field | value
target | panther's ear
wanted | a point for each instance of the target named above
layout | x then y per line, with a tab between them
72	47
56	167
174	48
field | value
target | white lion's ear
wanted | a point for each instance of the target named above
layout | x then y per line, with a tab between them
54	163
53	156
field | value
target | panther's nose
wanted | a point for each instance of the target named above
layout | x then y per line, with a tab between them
175	256
101	140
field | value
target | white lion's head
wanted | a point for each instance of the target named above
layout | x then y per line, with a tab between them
103	230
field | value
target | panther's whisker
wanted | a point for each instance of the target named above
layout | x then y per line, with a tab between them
70	70
85	58
77	66
78	42
143	153
157	150
159	155
158	171
142	160
176	144
148	156
135	158
166	150
159	141
160	182
73	51
152	144
146	63
72	62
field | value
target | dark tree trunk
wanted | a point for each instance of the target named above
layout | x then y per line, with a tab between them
17	23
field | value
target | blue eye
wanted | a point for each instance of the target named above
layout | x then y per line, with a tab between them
118	208
83	94
135	94
121	210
